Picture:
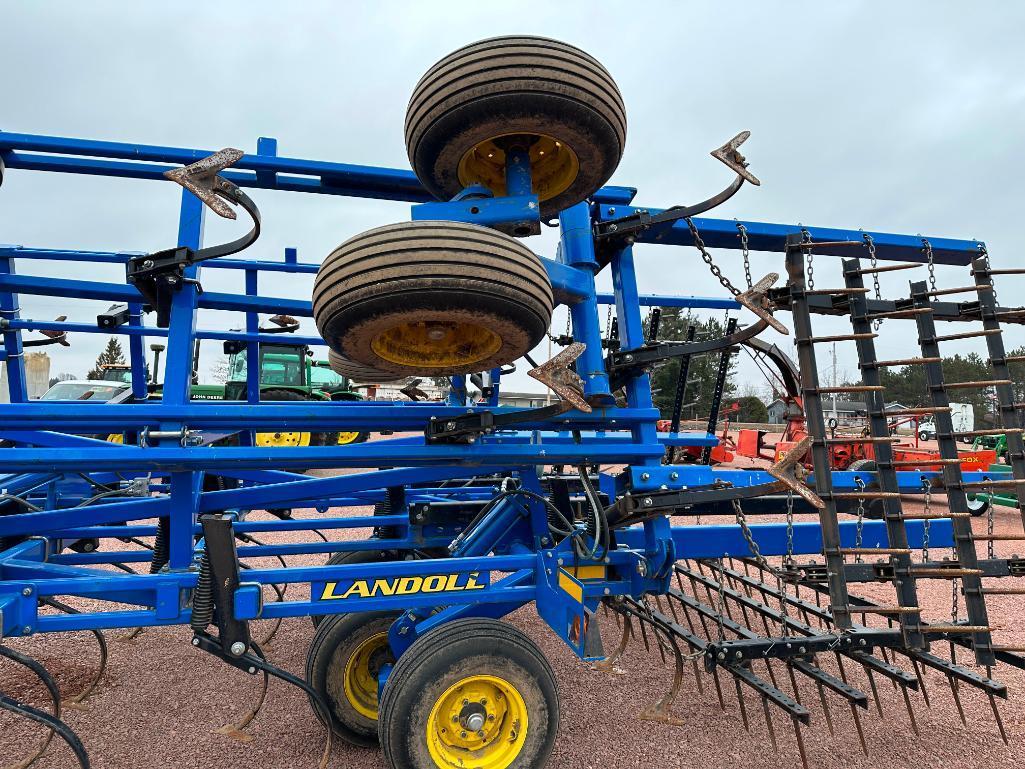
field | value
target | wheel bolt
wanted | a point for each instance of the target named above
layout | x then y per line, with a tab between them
463	735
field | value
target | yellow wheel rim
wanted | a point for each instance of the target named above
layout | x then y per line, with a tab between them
553	165
282	439
347	438
116	438
436	344
491	703
361	670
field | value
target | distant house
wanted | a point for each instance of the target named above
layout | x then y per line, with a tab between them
525	400
846	412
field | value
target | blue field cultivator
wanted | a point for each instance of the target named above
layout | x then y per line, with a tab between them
480	509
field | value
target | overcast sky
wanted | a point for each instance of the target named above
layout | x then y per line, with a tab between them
902	117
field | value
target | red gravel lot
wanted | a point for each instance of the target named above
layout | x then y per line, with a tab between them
161	700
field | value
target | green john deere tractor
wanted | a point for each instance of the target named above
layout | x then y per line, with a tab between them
287	373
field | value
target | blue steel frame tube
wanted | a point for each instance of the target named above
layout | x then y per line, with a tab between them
576	249
17	387
185	486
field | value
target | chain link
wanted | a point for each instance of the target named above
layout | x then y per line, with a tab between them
811	270
925	523
875	275
927	248
608	324
707	259
992	280
745	251
990	549
859	530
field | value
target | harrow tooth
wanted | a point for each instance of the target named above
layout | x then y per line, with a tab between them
743	708
875	692
998	719
825	708
911	712
857	725
768	724
957	699
921	682
800	742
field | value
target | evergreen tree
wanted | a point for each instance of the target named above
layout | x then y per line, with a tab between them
703	368
112	353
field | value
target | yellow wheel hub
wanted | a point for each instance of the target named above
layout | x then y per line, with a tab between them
282	439
346	438
478	723
553	165
116	438
361	671
436	344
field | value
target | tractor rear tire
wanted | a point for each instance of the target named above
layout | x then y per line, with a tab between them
550	98
472	692
432	299
343	664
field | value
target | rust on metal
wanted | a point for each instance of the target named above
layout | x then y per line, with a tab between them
729	155
789	469
564	381
201	179
756	301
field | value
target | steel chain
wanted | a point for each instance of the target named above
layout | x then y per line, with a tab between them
859	529
811	271
707	259
875	275
927	247
992	280
990	548
745	251
925	523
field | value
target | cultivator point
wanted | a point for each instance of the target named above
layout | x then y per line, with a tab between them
482	508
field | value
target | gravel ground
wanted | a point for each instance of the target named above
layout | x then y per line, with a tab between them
161	701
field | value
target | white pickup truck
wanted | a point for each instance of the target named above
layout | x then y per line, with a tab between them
963	416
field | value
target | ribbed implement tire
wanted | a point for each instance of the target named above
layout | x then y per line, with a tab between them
516	85
432	272
357	373
466	647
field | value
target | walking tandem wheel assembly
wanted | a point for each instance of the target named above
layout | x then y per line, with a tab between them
474	514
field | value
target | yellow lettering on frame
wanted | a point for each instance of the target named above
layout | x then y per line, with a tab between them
359	587
408	585
472	583
434	584
384	587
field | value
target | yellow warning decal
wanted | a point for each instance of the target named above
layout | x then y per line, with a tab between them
573	587
377	588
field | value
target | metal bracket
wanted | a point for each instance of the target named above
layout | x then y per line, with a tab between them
52	337
789	471
157	276
756	300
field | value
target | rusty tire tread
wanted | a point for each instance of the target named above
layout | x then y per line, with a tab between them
516	84
388	246
357	372
446	270
436	653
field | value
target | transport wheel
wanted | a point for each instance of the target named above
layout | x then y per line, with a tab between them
432	299
471	694
358	373
345	438
283	438
343	664
923	435
549	98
